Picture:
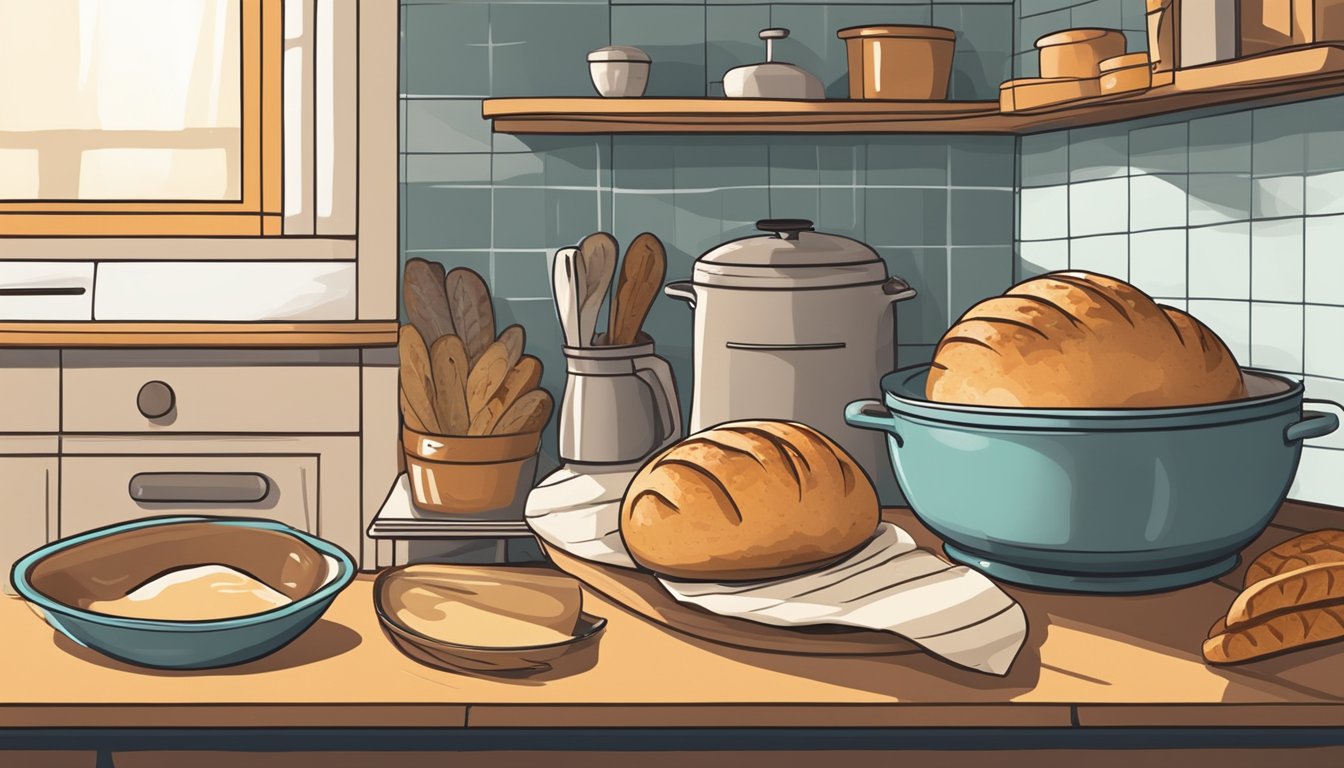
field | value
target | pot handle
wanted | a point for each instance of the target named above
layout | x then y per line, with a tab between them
871	414
898	290
681	289
1313	423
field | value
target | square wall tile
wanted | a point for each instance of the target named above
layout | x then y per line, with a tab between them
1101	152
1332	390
1105	14
976	274
545	219
981	217
843	211
1275	196
1323	120
721	162
730	37
1230	320
794	162
914	354
1325	260
907	161
1317	478
557	161
643	162
1276	260
541	50
633	213
1045	159
522	275
1280	146
924	319
1276	337
1031	28
906	217
447	216
1045	212
1157	262
982	161
844	161
1324	192
1099	207
1106	255
1159	149
1220	261
674	37
1157	201
1038	257
444	49
983	55
445	125
1324	356
1219	197
1221	144
458	169
796	203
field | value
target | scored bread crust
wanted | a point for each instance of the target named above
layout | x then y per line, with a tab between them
1316	547
1081	340
745	501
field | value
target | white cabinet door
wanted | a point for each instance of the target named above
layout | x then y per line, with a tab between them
26	506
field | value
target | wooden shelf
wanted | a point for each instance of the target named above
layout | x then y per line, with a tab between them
165	334
1297	75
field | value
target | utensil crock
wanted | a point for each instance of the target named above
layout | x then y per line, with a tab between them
620	404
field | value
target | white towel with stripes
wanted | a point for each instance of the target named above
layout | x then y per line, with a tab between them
889	584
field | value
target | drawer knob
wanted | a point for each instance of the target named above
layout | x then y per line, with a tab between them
200	487
156	400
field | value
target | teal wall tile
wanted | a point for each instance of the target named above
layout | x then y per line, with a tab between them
1323	121
1098	153
981	161
794	162
1219	197
643	162
1279	146
925	318
1157	262
914	354
983	57
522	275
1032	28
906	217
459	169
541	49
1104	254
731	38
1159	149
845	160
1324	260
445	125
541	219
1221	144
674	37
1277	260
1041	256
1099	207
1157	202
444	50
787	203
1276	336
907	161
737	161
656	213
813	44
980	217
446	216
1106	14
1044	159
1220	261
557	161
843	211
975	274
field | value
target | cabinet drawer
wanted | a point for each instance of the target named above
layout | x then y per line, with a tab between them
102	490
236	391
30	384
29	484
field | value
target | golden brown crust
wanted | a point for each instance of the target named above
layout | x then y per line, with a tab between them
1080	340
1307	586
1284	632
747	500
1324	546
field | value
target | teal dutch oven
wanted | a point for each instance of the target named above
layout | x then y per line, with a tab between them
1095	500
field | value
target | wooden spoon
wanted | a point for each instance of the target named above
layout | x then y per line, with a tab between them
417	381
426	300
642	275
473	315
599	252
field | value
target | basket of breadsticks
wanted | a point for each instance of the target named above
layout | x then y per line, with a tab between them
472	406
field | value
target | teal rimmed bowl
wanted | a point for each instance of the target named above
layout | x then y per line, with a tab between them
1095	500
60	581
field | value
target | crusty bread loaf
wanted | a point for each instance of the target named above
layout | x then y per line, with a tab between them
1309	585
1081	340
1324	546
747	500
1281	633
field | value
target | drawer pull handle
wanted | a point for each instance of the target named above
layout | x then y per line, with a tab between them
200	487
784	347
156	400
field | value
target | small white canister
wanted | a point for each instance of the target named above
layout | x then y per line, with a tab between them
619	71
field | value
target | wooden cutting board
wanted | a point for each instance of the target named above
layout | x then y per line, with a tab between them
641	594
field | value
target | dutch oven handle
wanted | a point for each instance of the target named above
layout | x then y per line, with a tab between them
871	414
1313	423
681	289
897	289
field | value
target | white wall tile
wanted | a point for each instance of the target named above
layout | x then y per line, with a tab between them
1325	260
1045	213
1332	390
1105	254
1231	320
1325	192
1157	262
1318	477
1276	336
1277	196
1276	260
1219	197
1220	261
238	291
1325	350
1156	202
1038	257
1099	207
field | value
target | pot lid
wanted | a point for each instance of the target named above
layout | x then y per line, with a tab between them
792	255
897	30
1071	36
618	53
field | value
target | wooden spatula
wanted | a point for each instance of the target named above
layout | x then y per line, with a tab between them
599	253
473	315
448	361
417	381
642	274
422	289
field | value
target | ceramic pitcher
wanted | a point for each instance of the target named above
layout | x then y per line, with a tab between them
620	404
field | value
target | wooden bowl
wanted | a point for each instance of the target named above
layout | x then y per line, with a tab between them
469	475
461	618
1078	53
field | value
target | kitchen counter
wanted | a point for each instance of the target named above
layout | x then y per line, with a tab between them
1088	662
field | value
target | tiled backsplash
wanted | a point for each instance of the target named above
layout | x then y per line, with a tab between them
939	209
1238	218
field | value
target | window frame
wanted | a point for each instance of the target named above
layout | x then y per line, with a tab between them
260	209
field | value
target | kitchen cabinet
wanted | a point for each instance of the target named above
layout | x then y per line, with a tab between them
29	506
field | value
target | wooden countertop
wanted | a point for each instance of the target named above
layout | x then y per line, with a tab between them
1089	661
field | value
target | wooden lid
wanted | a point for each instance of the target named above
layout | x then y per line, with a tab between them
1139	59
888	30
1070	36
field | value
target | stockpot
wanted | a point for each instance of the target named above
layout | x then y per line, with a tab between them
793	325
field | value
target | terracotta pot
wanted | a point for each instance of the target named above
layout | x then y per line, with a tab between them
899	62
1078	52
469	475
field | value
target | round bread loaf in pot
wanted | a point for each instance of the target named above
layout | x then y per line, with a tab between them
748	500
1081	340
